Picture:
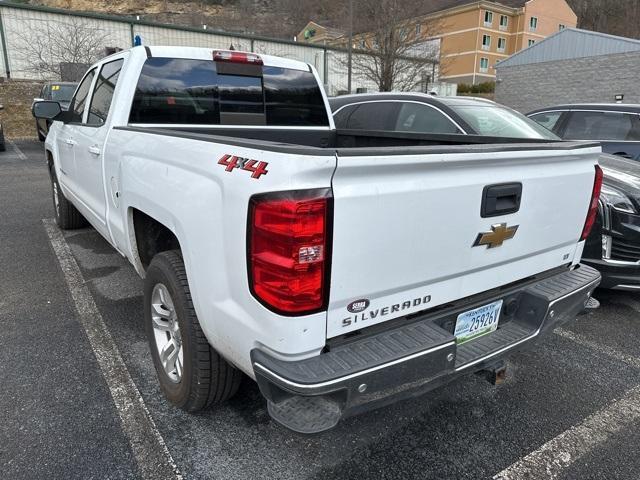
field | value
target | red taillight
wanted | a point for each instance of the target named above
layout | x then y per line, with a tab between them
593	207
236	57
289	249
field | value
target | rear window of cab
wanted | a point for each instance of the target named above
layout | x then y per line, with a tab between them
186	91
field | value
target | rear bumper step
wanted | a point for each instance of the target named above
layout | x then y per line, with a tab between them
312	395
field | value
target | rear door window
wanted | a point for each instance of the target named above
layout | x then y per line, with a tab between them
341	118
187	91
548	120
103	93
418	118
374	116
602	126
79	102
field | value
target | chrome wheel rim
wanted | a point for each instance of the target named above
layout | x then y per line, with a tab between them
166	331
56	198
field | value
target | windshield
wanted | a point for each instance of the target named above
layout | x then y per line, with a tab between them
62	93
496	121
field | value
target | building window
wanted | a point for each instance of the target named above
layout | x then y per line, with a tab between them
502	45
486	42
484	65
488	18
533	24
532	43
504	22
418	29
561	27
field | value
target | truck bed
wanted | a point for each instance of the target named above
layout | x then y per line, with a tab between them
352	142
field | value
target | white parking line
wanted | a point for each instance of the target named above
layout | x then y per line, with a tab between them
17	151
151	453
609	352
552	458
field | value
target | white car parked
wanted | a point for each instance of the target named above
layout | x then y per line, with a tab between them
339	269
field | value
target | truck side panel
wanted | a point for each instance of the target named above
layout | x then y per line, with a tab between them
180	183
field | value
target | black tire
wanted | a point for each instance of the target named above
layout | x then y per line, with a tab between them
67	216
206	377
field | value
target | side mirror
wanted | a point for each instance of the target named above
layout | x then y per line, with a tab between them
46	109
38	100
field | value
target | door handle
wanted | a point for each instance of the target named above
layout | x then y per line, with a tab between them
94	150
500	199
70	141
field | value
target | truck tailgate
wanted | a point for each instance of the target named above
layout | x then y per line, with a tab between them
405	225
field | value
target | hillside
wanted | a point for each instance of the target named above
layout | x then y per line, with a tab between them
128	7
251	16
285	18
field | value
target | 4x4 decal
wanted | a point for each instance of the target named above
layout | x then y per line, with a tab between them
232	162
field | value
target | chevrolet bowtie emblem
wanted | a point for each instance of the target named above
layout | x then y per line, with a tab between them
497	236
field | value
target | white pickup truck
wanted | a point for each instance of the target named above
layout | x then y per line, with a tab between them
339	269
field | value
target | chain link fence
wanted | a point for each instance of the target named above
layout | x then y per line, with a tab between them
35	41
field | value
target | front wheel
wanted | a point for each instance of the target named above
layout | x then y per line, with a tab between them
192	375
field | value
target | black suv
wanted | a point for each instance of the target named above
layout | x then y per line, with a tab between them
616	126
614	244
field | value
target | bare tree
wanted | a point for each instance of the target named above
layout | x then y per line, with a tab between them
42	48
399	55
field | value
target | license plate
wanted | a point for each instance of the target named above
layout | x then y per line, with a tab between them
478	322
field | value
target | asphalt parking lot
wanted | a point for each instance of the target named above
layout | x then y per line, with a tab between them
570	409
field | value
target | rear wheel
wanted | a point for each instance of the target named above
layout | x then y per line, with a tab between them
67	216
192	375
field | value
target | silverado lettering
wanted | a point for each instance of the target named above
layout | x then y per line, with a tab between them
396	307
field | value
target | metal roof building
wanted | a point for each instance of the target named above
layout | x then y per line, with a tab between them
570	66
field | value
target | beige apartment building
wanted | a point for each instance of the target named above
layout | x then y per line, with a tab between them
474	35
